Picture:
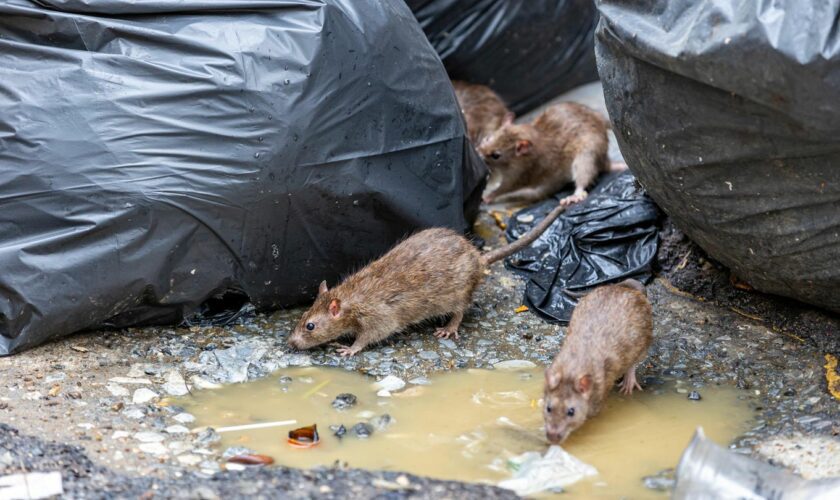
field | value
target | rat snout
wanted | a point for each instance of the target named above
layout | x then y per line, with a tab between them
294	341
555	435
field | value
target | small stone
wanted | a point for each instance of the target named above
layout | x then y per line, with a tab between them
384	393
429	355
175	384
134	413
149	437
285	380
143	395
390	383
202	383
33	396
120	435
177	429
661	481
383	421
237	450
344	401
189	459
362	430
153	448
694	396
184	418
130	380
514	364
449	344
420	381
117	390
207	437
338	430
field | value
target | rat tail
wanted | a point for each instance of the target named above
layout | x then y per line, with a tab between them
525	240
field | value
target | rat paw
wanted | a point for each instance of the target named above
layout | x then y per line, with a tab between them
574	198
488	199
347	351
445	332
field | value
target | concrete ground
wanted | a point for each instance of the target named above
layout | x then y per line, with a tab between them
90	405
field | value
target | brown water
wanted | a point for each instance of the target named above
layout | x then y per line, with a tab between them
466	424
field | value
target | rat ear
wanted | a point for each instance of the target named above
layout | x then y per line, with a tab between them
335	307
584	383
508	119
322	289
552	379
523	147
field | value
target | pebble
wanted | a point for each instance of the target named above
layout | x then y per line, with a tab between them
362	430
237	450
149	437
175	384
120	435
429	355
184	418
202	383
207	436
135	413
285	380
694	396
338	430
33	396
153	448
189	459
383	421
390	383
177	429
449	344
344	401
420	381
117	390
514	364
143	395
130	380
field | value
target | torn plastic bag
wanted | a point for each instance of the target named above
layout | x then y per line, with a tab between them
708	471
157	154
527	51
728	112
609	237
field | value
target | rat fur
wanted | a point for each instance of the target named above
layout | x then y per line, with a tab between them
432	273
484	111
567	143
609	334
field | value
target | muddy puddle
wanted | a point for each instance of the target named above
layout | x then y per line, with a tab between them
466	425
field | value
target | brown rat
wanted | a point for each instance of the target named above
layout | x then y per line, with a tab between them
432	273
484	111
567	143
610	332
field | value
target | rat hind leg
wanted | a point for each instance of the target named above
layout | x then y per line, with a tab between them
585	169
451	327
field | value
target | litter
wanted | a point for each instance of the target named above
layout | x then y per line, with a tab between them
533	472
30	486
708	471
264	425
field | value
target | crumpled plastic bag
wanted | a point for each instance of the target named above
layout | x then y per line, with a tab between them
534	472
609	237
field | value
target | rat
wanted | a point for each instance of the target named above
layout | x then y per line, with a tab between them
610	332
567	143
432	273
484	111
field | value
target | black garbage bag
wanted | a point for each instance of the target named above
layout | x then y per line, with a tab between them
527	51
156	154
607	238
728	112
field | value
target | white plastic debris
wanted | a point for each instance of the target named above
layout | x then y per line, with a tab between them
390	383
533	473
30	486
514	364
262	425
144	396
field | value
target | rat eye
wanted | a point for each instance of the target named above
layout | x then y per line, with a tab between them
495	155
548	409
310	326
570	412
